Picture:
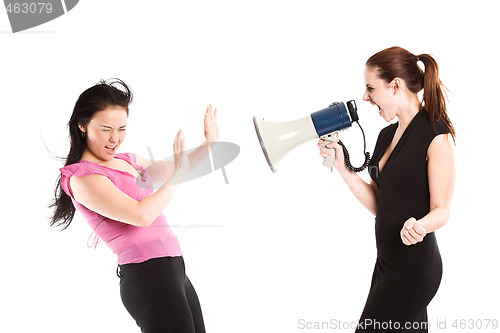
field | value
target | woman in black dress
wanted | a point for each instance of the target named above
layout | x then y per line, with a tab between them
412	179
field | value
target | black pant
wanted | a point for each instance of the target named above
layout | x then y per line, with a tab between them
159	296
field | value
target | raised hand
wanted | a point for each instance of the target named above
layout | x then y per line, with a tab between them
181	160
211	125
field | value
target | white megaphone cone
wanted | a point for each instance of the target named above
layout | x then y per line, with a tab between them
279	138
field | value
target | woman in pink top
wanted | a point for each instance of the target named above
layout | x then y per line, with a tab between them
114	193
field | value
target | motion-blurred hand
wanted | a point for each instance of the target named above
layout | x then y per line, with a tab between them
211	125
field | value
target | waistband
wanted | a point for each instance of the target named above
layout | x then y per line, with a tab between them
128	268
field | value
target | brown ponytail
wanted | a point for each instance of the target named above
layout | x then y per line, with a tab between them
398	62
434	95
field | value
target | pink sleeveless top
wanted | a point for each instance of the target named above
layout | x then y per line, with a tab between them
132	244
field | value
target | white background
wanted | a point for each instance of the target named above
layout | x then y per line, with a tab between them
265	250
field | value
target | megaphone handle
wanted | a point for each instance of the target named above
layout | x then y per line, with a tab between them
328	138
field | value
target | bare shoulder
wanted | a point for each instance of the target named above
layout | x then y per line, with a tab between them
93	183
442	146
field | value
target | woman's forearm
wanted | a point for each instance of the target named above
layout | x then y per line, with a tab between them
160	171
364	192
152	206
435	219
199	155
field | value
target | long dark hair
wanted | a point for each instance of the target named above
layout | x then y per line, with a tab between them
398	62
97	98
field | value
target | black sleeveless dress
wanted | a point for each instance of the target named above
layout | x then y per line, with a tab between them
405	278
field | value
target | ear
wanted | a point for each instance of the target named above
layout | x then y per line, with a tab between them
395	85
82	128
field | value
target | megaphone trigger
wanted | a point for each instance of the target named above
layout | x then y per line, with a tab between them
327	139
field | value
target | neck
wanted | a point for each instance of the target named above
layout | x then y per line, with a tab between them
408	112
89	156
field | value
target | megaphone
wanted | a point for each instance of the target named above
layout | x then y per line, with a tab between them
279	138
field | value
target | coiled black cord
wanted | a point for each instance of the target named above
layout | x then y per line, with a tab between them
347	160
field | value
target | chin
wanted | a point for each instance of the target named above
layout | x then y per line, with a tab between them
105	156
386	117
383	115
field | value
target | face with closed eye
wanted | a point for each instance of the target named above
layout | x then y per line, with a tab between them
104	134
381	94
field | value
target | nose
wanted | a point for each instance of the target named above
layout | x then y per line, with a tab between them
366	96
112	137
